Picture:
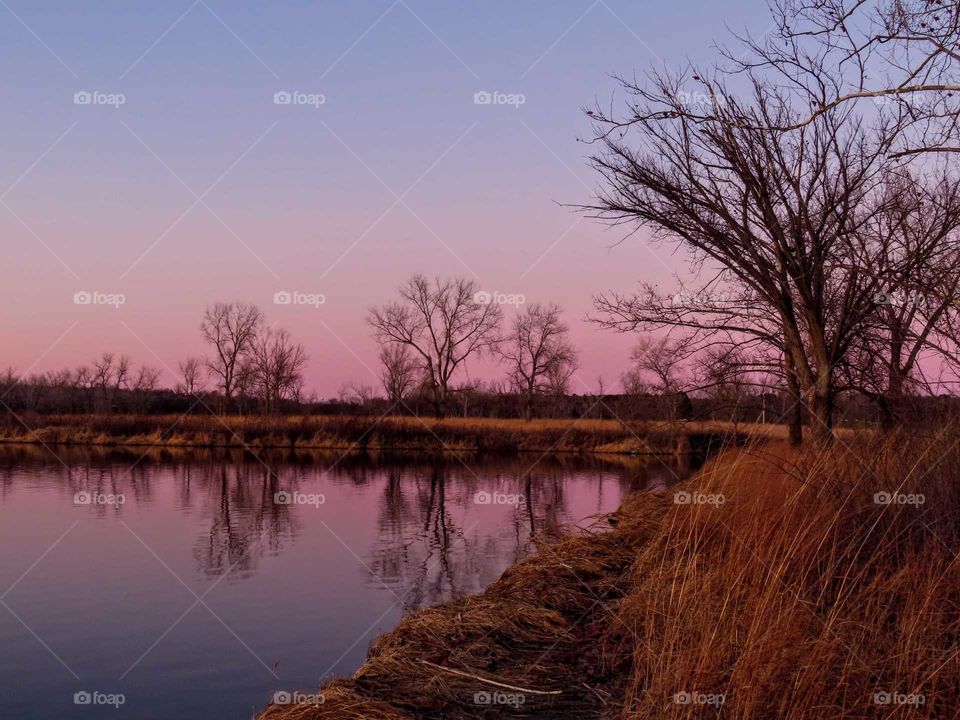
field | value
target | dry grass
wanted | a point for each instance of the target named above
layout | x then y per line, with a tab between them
365	433
799	597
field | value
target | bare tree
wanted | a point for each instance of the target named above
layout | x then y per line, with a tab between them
142	387
723	374
146	380
913	320
902	55
398	371
230	328
357	393
191	376
538	352
663	361
276	365
443	323
785	220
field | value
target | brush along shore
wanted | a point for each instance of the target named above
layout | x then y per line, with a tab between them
796	585
376	433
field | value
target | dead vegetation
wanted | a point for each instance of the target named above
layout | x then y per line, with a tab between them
343	432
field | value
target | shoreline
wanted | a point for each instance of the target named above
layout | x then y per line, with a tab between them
394	434
663	600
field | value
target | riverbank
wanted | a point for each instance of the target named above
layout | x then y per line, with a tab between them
394	433
813	584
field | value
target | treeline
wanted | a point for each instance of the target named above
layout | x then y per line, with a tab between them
427	337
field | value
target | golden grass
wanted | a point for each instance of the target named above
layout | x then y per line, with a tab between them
365	433
796	597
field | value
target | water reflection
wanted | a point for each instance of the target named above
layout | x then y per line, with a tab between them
297	586
444	526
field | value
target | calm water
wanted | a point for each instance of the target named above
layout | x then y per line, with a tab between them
180	581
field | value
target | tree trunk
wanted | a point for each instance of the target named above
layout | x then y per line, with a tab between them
821	415
795	411
890	402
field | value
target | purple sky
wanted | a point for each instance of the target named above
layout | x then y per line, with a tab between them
199	187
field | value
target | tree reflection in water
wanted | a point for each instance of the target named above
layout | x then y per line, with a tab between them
429	539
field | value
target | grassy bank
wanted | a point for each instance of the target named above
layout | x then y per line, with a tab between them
779	586
371	433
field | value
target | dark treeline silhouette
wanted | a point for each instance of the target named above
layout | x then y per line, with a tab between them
728	362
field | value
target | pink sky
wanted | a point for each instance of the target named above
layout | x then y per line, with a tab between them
198	188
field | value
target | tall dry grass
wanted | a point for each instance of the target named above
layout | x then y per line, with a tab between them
801	595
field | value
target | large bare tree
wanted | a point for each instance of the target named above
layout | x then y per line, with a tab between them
230	329
538	351
783	219
443	323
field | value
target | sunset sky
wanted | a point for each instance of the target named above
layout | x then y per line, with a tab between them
199	187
